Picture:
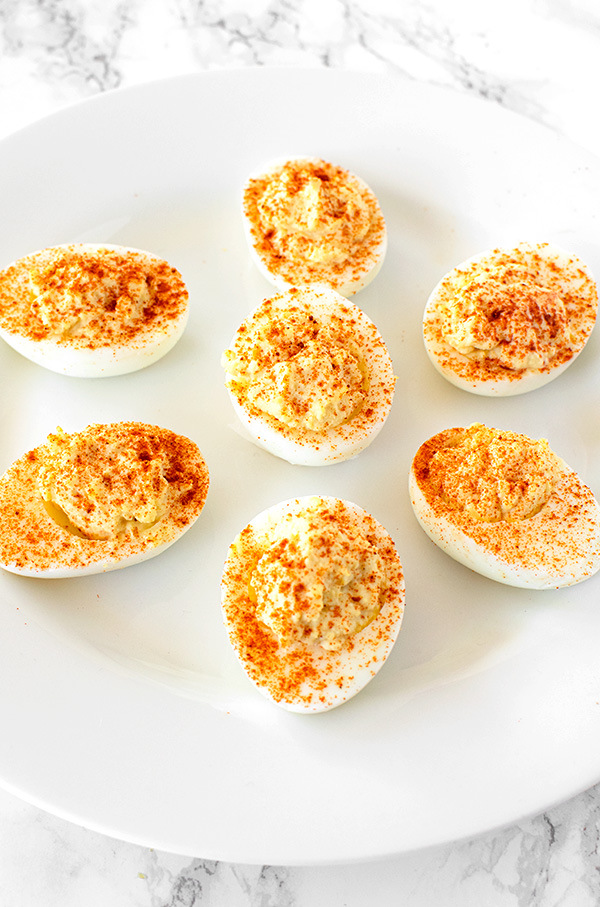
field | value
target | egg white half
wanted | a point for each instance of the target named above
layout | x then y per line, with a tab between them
339	675
34	544
347	280
551	267
556	547
101	361
335	444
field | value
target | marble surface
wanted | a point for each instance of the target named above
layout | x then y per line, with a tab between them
540	58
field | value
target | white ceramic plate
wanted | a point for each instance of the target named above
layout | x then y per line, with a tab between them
122	706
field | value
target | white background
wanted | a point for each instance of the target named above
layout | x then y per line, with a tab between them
540	59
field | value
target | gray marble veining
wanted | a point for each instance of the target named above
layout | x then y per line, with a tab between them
73	49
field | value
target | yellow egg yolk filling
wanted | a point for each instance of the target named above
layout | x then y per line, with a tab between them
319	579
503	315
305	373
102	487
312	211
491	475
71	290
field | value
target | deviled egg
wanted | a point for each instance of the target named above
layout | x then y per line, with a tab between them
508	321
506	506
89	310
313	600
99	499
310	377
311	223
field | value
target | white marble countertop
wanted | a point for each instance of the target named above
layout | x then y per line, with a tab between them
540	58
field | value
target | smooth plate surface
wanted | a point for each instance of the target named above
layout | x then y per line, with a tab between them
122	706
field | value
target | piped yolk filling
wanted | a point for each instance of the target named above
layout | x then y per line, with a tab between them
507	317
491	475
71	290
99	490
318	580
305	374
311	211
